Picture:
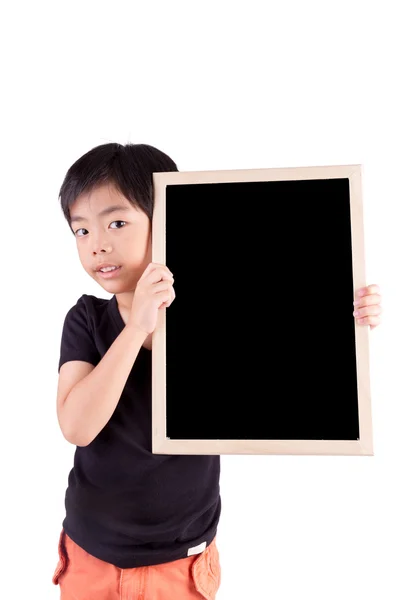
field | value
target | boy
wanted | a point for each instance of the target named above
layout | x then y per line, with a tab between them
136	523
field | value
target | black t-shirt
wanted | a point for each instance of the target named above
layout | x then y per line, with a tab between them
124	504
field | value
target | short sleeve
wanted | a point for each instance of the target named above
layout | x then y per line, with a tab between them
77	340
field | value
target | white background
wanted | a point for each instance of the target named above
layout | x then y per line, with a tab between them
216	85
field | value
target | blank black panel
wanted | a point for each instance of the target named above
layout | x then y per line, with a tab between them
260	339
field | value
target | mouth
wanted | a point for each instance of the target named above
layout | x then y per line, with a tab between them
109	274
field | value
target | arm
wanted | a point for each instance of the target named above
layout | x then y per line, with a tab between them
87	396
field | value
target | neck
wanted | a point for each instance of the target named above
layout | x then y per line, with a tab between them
125	300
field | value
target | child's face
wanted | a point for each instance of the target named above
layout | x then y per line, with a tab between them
104	238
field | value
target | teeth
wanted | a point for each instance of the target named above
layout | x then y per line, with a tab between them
106	269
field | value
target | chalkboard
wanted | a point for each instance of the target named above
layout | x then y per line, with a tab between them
259	353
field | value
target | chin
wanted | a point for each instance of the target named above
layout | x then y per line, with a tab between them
116	287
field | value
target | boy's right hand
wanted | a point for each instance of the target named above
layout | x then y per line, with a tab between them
154	290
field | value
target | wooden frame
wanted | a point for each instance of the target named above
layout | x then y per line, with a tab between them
360	446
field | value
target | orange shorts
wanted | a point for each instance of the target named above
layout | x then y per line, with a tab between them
82	576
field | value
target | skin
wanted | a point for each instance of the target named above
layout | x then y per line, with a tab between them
367	306
121	238
124	238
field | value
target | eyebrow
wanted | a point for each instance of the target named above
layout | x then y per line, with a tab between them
106	211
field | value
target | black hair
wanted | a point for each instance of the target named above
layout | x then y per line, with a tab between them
129	167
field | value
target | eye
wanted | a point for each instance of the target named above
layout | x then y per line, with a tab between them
81	229
118	222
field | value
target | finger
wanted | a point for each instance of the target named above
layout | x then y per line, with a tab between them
368	300
161	286
154	267
371	321
161	266
159	274
170	301
150	267
173	295
163	298
373	288
368	311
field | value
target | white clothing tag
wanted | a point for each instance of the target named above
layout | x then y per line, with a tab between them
197	549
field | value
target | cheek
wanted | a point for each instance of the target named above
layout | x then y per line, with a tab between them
137	246
84	261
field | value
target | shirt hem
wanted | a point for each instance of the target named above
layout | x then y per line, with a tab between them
155	558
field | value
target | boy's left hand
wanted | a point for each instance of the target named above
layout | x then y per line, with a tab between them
367	306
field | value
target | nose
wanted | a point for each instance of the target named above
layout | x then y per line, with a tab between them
101	247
